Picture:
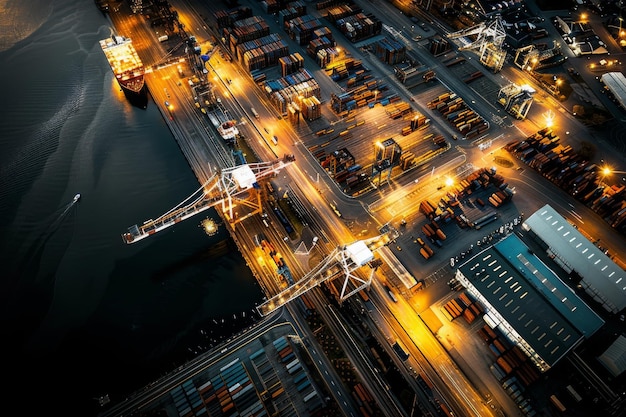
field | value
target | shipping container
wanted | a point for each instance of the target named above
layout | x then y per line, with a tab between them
303	385
557	404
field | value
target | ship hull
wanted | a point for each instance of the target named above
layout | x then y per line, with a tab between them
103	6
138	98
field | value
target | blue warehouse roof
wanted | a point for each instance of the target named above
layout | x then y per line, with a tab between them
559	294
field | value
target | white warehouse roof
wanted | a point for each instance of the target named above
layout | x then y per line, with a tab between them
614	358
616	83
602	278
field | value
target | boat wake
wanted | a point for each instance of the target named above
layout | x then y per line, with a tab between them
33	254
57	222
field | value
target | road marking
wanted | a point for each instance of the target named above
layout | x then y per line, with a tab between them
580	219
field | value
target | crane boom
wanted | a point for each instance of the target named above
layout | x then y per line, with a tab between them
221	188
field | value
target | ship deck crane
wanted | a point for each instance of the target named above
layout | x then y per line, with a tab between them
231	187
344	260
488	41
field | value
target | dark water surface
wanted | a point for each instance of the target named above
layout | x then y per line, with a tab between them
84	314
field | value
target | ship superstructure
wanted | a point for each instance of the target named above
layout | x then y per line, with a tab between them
228	130
125	64
226	127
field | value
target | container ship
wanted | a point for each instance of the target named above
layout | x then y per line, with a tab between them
127	67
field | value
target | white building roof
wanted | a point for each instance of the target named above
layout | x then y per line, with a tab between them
614	358
602	278
616	83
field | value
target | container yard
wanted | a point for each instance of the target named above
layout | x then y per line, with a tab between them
480	184
456	112
573	173
293	92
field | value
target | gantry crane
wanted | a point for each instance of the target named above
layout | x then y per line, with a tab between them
344	260
488	41
530	58
516	99
234	186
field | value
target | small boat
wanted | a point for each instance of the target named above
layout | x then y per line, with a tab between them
77	197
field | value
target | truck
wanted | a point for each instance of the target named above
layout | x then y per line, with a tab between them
402	354
494	201
390	293
427	208
428	230
426	251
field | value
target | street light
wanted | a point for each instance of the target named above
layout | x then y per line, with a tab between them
607	170
549	117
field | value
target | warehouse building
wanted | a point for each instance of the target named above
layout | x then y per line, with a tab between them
601	278
528	302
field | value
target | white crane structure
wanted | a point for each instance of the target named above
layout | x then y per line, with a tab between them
231	187
344	261
485	39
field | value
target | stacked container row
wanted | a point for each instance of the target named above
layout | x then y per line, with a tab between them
243	47
280	99
265	55
301	28
290	64
342	10
359	26
295	9
315	45
245	30
226	18
390	51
